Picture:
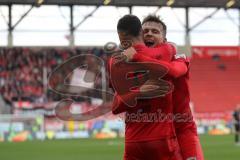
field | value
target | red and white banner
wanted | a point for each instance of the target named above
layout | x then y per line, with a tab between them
209	51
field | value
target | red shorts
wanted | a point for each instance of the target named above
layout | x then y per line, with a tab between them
166	149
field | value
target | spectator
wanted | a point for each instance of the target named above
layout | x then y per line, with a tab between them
236	121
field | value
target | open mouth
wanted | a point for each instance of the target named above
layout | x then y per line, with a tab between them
149	43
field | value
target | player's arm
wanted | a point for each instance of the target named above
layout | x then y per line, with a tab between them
176	68
165	51
118	106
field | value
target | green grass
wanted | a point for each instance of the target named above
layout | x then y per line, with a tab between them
215	148
220	147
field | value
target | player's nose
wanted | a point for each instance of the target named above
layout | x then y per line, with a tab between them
149	33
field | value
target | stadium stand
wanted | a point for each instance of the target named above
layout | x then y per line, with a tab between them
214	83
21	71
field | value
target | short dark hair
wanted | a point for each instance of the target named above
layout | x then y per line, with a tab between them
156	19
130	24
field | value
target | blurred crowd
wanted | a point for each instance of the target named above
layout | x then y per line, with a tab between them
24	71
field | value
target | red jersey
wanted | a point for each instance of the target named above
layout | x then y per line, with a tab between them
185	126
181	102
164	52
151	118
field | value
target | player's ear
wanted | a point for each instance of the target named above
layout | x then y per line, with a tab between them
122	35
126	43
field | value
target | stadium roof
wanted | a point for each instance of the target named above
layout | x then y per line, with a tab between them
177	3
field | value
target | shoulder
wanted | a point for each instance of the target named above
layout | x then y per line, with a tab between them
167	51
182	58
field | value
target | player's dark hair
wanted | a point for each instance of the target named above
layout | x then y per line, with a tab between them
130	25
156	19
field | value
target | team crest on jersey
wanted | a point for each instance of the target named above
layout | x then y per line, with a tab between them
177	56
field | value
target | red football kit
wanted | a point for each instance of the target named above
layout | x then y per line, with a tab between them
186	130
148	122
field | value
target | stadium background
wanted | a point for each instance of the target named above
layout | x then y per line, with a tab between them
36	36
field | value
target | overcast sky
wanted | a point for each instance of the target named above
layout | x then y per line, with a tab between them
49	25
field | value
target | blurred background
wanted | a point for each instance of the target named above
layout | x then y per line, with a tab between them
36	36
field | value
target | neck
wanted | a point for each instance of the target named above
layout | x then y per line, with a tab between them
136	41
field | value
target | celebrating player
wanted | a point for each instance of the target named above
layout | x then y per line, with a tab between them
154	35
149	133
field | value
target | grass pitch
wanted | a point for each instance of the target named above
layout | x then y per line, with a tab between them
215	148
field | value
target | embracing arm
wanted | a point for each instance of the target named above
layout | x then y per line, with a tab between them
176	68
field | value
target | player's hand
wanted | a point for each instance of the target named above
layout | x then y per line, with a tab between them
129	53
152	85
118	58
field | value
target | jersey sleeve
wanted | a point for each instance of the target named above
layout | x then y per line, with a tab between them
119	106
181	58
165	52
171	52
176	68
